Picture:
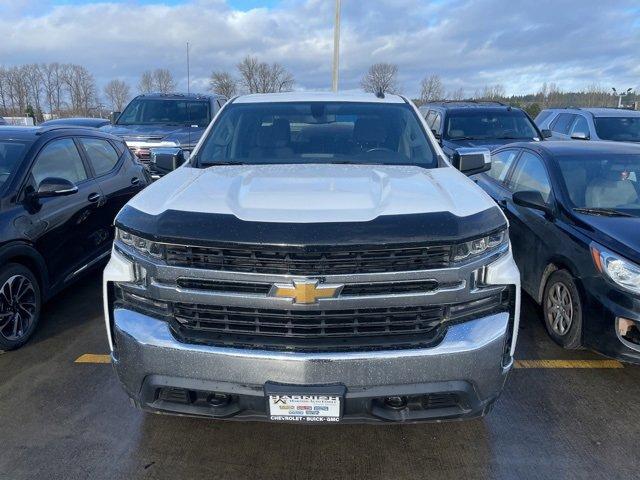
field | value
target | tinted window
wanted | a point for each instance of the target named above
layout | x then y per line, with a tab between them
542	116
437	122
153	111
430	118
101	154
11	154
581	126
59	158
602	181
500	164
530	174
317	132
562	123
620	129
495	124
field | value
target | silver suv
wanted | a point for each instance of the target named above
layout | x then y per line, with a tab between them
591	124
317	259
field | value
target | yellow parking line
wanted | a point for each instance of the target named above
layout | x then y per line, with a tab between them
93	358
568	364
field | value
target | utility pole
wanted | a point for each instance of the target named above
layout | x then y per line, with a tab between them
336	47
188	72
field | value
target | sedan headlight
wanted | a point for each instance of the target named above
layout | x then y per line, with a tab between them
479	246
618	269
142	245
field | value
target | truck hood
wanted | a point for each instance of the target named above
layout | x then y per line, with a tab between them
180	135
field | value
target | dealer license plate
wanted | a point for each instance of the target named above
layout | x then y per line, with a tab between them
305	408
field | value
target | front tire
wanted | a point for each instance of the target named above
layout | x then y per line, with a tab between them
562	308
20	302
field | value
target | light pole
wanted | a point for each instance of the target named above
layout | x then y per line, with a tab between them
620	95
336	47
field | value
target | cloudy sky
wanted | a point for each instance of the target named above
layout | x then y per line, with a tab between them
469	43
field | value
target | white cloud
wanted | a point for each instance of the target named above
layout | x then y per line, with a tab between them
469	43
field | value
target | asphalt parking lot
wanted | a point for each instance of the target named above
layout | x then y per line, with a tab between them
576	417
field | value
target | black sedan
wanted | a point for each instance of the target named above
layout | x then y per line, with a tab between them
60	190
574	213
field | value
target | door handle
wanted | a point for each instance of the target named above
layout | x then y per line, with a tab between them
93	197
135	181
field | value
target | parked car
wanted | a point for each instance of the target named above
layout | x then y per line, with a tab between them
77	122
316	259
613	124
158	120
60	190
478	124
574	215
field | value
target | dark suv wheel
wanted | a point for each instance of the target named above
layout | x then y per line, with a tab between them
20	302
562	309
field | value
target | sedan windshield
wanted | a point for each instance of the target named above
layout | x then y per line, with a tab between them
603	183
317	132
11	154
484	125
619	129
154	111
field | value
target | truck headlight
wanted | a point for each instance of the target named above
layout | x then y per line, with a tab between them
479	246
621	271
142	245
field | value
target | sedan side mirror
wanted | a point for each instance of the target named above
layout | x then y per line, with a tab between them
532	199
471	161
580	136
113	117
55	187
546	133
167	159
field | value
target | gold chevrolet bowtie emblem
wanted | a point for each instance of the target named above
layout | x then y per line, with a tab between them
305	291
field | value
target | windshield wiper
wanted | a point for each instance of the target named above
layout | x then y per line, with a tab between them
512	138
605	212
465	138
216	164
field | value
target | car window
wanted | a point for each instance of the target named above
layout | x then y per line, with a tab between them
102	155
500	164
580	126
11	154
483	124
59	158
562	123
620	129
430	118
542	116
437	122
530	174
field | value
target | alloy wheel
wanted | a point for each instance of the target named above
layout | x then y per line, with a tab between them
559	308
17	307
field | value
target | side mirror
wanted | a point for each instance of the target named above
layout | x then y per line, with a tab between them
546	133
167	160
532	199
113	117
55	187
580	136
436	134
471	161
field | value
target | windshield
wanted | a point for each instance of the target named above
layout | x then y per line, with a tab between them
483	125
154	111
619	129
11	154
603	182
317	132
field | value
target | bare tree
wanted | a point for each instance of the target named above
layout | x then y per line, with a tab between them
18	89
117	93
431	89
491	92
4	90
381	78
457	94
146	83
224	84
53	85
163	81
33	77
81	88
260	77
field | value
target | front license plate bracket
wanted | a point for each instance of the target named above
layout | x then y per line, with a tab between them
304	403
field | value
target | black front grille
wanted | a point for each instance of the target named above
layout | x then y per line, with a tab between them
313	330
302	262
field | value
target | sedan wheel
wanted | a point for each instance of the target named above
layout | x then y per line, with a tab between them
19	305
562	308
559	308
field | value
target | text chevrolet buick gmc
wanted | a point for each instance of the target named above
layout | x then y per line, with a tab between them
316	259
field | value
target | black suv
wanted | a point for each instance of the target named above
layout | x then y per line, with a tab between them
60	189
478	124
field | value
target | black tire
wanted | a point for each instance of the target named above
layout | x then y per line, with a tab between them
562	310
20	302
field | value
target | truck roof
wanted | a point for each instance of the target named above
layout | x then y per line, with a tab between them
318	97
